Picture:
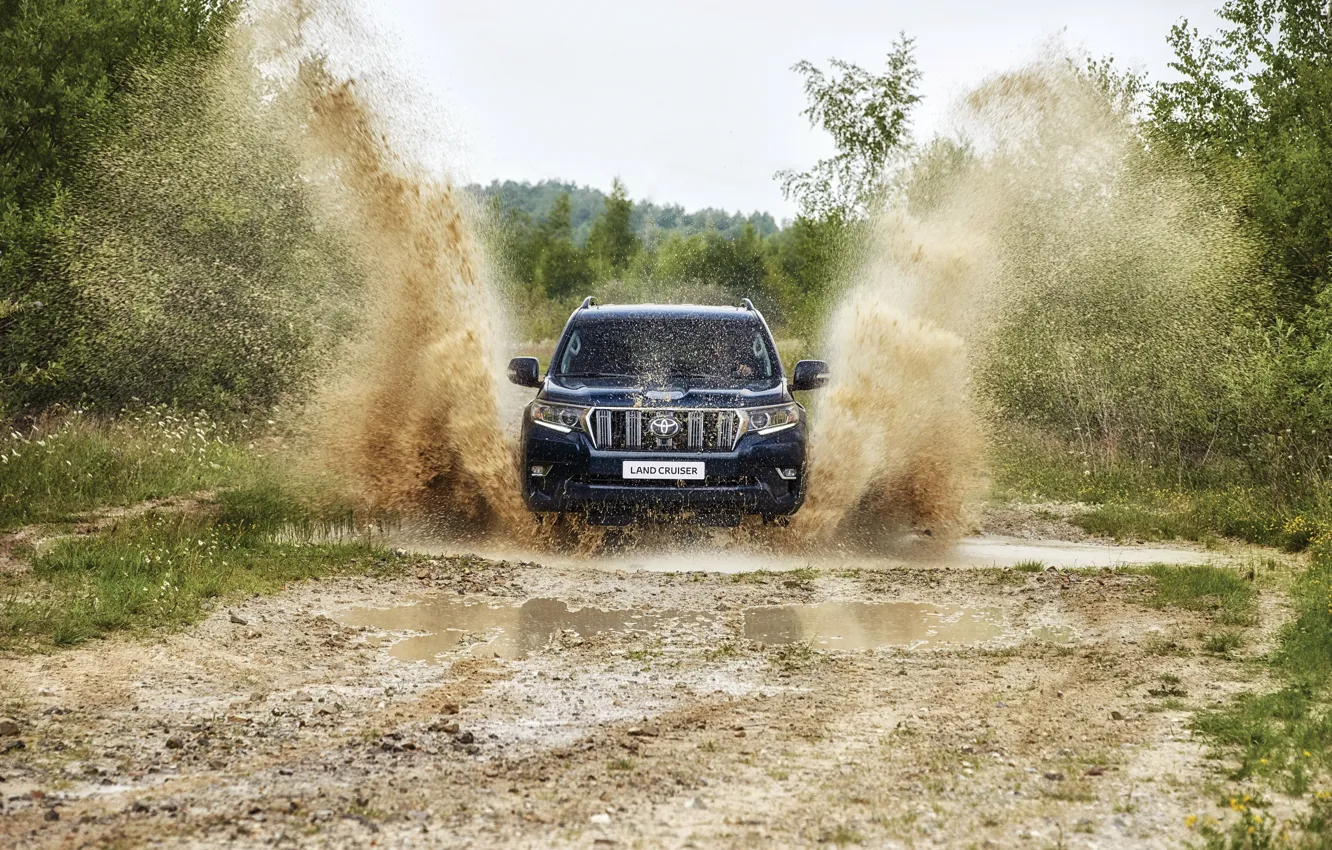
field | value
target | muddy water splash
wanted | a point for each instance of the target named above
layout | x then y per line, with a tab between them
893	444
1040	266
413	424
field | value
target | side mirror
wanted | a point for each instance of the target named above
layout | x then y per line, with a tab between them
810	375
523	371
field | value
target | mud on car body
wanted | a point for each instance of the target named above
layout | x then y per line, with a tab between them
658	412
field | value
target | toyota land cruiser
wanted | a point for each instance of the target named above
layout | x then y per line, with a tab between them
657	412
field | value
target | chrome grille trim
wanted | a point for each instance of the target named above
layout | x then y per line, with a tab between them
709	429
633	428
695	429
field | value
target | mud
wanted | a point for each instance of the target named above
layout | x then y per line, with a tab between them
644	709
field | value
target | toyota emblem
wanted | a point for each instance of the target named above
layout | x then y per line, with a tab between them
664	426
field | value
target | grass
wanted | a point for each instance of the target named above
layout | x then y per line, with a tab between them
162	571
1283	735
65	467
1221	593
1286	734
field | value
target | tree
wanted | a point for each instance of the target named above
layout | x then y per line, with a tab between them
67	64
612	242
563	269
1255	102
868	117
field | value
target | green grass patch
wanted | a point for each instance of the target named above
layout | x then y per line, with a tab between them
63	468
162	570
1221	593
1285	735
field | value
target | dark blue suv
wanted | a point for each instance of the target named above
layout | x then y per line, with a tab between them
661	412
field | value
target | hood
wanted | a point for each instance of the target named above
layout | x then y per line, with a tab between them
576	392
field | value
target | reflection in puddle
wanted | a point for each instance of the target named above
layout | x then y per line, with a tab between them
502	631
512	631
865	625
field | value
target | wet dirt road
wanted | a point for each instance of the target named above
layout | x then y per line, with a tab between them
506	704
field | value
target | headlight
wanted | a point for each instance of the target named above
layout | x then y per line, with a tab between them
767	420
560	417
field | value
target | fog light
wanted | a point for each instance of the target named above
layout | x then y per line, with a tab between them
539	471
787	474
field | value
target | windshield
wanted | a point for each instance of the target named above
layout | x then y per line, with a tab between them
719	351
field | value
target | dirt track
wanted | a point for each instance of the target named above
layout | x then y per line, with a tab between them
295	728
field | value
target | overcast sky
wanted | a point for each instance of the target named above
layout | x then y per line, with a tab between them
695	102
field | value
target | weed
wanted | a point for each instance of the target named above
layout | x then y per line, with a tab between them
1223	643
620	764
1030	566
842	836
794	656
1169	686
164	571
66	467
1221	593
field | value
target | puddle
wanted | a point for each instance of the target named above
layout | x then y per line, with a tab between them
513	631
503	631
866	625
1010	551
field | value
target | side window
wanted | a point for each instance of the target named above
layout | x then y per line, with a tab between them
761	354
571	351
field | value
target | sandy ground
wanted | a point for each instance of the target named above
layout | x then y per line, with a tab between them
295	728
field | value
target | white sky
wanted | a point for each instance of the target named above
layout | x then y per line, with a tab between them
694	102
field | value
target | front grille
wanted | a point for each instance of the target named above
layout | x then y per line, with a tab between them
630	429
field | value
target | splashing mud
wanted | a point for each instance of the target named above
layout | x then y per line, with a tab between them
893	444
414	423
1042	267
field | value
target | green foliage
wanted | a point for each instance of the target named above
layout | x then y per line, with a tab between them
1254	107
612	241
161	571
1220	593
650	222
562	269
66	65
868	117
68	466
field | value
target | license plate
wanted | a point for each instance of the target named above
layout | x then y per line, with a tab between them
673	470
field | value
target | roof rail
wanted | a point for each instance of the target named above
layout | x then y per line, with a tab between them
589	301
747	304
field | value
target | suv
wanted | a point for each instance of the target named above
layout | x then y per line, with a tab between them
657	412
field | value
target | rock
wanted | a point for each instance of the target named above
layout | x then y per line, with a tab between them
695	803
600	819
13	744
645	731
1115	715
1055	777
237	619
51	815
466	738
449	708
175	742
8	727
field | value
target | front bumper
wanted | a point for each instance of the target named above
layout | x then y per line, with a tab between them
584	479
